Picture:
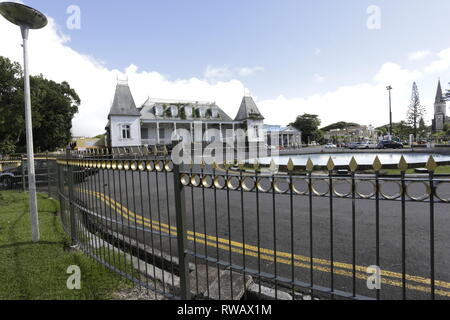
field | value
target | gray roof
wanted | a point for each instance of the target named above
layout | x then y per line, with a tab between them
248	110
148	111
439	95
123	104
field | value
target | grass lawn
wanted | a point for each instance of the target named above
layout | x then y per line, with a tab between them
38	271
439	170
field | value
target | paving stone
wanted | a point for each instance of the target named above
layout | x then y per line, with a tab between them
226	278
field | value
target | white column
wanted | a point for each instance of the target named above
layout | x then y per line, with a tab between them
175	128
221	132
234	133
158	138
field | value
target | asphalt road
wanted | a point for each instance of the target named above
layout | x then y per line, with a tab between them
254	219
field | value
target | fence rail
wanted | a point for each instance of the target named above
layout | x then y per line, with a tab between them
222	232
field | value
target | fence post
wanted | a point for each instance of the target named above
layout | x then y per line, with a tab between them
23	173
181	233
48	174
73	231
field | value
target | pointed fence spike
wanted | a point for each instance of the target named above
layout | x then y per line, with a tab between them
309	165
431	164
290	165
330	164
403	165
377	164
353	165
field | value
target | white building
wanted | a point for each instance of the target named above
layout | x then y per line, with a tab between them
156	121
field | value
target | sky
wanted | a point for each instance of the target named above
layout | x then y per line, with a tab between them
330	58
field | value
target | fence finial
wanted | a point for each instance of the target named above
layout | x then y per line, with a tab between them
353	165
273	166
431	164
330	164
377	164
290	165
403	165
309	165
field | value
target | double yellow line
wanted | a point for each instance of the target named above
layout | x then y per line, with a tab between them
339	268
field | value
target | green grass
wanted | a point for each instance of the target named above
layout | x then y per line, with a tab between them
38	271
439	170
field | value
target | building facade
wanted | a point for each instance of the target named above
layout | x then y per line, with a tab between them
440	111
158	121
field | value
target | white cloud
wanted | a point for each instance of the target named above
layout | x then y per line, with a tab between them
318	78
440	65
224	73
366	103
51	55
419	55
247	71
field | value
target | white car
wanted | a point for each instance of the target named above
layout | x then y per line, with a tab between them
366	145
330	146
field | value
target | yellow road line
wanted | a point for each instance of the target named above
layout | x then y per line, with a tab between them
267	254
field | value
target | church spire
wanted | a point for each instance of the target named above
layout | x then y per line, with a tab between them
439	95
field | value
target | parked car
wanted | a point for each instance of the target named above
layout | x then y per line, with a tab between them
12	178
330	146
367	145
353	145
390	145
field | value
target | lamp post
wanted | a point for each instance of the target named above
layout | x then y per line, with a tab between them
27	18
389	88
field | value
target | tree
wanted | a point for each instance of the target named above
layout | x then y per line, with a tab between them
416	111
423	130
53	108
309	125
11	105
340	125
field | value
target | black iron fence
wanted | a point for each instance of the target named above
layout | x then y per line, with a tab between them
249	232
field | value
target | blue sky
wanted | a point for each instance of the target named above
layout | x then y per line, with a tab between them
290	48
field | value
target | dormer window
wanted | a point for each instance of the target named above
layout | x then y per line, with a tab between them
159	111
214	113
188	111
174	111
202	112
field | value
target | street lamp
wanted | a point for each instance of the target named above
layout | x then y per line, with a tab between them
27	18
389	88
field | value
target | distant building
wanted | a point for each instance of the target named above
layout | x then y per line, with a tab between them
352	134
157	121
440	111
288	137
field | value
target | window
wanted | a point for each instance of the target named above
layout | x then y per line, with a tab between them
162	134
126	131
144	133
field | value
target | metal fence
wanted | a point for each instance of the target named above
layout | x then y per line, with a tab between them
246	232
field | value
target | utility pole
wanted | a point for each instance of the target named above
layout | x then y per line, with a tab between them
389	88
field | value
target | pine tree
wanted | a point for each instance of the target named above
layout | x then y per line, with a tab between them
416	111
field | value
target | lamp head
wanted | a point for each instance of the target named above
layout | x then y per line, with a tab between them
22	15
